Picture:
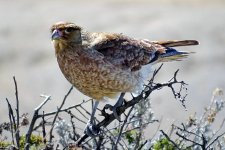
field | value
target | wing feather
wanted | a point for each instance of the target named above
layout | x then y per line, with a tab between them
128	53
123	51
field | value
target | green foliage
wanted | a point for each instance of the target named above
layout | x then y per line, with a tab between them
4	144
35	141
131	136
163	144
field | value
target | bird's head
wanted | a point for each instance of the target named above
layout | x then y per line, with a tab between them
65	32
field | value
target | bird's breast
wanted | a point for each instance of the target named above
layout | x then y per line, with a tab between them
94	76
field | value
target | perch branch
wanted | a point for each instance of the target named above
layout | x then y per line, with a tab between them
17	135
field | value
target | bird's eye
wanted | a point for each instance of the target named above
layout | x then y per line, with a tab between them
70	29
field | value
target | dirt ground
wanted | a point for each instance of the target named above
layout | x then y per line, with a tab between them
26	50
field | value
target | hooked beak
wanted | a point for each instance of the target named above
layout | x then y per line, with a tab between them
56	34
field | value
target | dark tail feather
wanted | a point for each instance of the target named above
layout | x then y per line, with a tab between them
175	43
172	55
169	53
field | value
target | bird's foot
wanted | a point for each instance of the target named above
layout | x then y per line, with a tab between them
91	129
114	110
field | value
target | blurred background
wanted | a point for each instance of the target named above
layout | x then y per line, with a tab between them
26	51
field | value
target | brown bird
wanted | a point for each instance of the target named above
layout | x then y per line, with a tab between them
104	65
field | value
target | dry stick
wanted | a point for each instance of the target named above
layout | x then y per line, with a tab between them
41	124
99	143
17	115
57	113
140	127
221	126
43	128
121	128
75	135
70	113
185	138
168	138
53	113
81	113
85	110
87	113
143	144
215	140
110	137
11	119
144	94
35	117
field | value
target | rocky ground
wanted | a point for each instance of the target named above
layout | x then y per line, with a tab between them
26	50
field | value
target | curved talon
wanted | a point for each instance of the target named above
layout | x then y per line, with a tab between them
114	108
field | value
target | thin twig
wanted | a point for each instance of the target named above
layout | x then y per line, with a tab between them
215	140
142	145
33	121
75	135
43	128
17	135
62	110
12	120
70	113
185	138
168	138
56	115
121	129
81	113
99	143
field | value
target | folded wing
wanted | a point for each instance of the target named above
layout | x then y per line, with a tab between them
132	54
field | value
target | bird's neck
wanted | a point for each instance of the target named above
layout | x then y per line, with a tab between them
61	46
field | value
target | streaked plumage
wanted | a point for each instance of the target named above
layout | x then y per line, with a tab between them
105	64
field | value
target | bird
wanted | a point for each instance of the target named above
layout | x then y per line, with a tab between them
105	65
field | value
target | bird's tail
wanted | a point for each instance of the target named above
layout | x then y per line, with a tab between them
171	54
175	43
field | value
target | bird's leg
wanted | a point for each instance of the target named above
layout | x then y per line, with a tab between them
114	108
90	128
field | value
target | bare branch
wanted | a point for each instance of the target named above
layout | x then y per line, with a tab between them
56	115
121	129
33	121
64	110
219	136
168	138
17	135
43	128
185	138
12	120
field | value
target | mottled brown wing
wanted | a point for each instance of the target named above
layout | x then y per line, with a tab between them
125	52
